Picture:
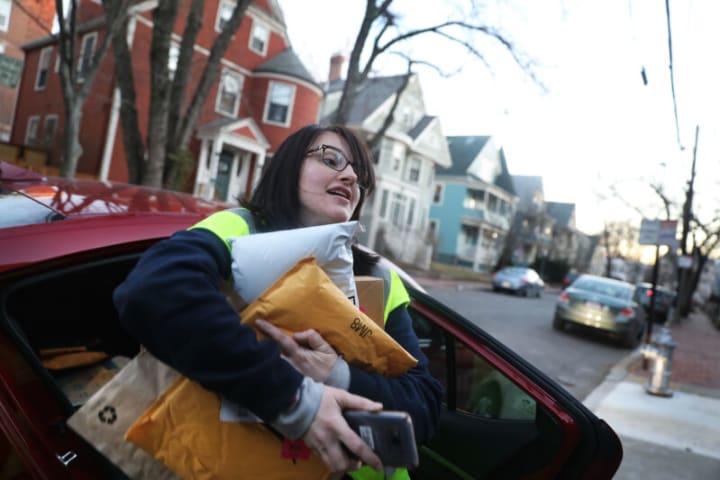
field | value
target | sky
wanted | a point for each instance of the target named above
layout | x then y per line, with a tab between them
597	134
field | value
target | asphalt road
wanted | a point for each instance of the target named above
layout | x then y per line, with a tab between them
578	360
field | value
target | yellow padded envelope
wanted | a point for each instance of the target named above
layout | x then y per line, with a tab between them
306	298
183	428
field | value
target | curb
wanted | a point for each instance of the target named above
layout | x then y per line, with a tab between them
617	373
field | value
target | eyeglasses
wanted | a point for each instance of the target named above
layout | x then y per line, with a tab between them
334	158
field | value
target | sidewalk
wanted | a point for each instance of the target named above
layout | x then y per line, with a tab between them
675	437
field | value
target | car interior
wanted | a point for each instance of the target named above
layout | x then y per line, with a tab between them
490	426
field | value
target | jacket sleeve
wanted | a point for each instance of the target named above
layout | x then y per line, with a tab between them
171	303
415	392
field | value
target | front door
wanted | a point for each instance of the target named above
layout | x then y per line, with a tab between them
222	177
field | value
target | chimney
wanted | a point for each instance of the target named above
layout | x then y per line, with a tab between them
336	67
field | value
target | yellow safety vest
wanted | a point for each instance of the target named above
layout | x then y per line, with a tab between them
238	222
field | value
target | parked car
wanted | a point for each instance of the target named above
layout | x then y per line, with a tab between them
77	240
604	304
569	278
664	301
519	280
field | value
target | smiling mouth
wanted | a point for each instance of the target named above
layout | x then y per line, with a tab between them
340	193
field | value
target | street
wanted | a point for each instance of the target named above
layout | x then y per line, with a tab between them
578	360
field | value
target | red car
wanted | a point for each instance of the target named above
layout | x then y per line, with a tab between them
64	247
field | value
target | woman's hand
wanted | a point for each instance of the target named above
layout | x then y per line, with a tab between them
307	351
332	438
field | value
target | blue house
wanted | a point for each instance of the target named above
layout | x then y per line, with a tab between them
473	204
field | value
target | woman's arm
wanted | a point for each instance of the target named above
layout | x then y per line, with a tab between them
171	303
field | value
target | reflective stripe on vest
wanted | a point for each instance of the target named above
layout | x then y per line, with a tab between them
395	293
236	222
367	473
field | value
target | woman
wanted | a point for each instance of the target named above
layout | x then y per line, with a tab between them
319	175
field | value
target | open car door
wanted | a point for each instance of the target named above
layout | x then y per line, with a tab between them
502	418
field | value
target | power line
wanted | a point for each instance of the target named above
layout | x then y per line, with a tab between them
672	74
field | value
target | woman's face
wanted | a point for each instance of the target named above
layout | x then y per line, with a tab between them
326	195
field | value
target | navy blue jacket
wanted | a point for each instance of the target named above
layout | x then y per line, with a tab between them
172	304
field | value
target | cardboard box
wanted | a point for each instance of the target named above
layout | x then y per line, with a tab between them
371	294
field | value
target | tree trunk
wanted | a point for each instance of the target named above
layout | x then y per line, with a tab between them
131	136
72	148
164	16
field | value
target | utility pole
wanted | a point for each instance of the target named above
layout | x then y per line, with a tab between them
683	280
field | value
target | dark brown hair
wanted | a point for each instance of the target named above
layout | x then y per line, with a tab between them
275	203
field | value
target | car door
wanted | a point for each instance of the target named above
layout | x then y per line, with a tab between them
501	417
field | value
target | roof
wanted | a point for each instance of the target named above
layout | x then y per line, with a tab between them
286	63
504	180
420	126
372	93
561	212
463	151
525	188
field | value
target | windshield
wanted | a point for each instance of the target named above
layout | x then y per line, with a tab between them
603	288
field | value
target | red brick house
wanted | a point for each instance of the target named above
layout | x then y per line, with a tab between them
19	23
263	93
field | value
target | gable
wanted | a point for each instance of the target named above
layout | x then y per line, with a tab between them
431	142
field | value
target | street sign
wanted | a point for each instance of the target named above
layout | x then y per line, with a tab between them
667	235
649	231
658	232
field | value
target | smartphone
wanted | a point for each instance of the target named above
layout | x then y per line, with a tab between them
389	434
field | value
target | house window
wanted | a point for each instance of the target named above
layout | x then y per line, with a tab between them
279	103
489	238
5	9
49	130
413	172
397	210
43	67
228	99
492	203
86	55
437	193
31	133
474	199
259	38
225	11
383	204
411	213
469	234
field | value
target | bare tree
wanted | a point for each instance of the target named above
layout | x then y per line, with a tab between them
174	111
77	76
379	21
618	238
698	238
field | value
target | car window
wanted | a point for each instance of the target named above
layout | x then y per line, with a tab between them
471	384
16	210
603	288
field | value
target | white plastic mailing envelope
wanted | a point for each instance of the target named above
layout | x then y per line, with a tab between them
258	260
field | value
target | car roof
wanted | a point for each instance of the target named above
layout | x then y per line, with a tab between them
81	197
607	280
81	215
